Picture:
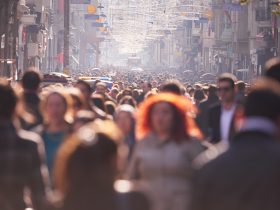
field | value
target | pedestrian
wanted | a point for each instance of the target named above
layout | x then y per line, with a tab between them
221	115
246	176
57	126
167	145
30	82
22	165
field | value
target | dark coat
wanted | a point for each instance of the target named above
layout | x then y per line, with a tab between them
202	117
21	164
245	177
214	124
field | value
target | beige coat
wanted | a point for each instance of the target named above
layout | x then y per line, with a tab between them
164	170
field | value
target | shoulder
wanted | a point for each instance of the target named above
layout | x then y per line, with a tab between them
130	196
215	106
30	137
193	147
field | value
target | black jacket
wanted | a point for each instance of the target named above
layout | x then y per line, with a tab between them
21	166
214	124
245	177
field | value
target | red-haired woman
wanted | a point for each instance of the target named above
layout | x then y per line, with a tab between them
168	143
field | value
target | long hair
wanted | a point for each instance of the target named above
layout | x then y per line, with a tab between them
84	154
183	110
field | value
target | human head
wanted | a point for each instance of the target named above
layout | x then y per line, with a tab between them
212	91
100	88
78	100
114	92
87	162
110	107
124	118
240	86
56	107
99	101
146	87
167	111
272	69
128	100
198	95
264	101
8	101
172	86
226	88
84	88
31	80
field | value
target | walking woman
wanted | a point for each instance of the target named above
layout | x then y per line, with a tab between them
56	127
167	145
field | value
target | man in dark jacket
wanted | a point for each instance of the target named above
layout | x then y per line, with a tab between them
246	176
21	160
221	115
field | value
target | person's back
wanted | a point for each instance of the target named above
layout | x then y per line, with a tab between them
20	168
21	159
31	82
246	176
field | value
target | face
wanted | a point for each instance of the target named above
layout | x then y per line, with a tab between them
55	108
100	89
226	92
162	118
123	121
146	87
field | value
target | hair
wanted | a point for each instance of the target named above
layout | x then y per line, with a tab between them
172	86
227	77
111	107
67	100
86	158
212	90
135	94
184	125
127	92
8	100
115	90
119	97
272	68
31	79
77	95
264	100
128	100
199	95
149	85
241	86
87	85
99	101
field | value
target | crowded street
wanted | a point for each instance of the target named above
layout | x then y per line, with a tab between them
139	105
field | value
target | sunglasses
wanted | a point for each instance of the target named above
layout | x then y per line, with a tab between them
224	89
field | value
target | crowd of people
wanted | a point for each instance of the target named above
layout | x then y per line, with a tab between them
148	143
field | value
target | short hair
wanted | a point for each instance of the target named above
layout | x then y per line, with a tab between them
172	86
228	77
199	95
212	90
31	79
8	100
272	69
84	83
264	100
241	86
